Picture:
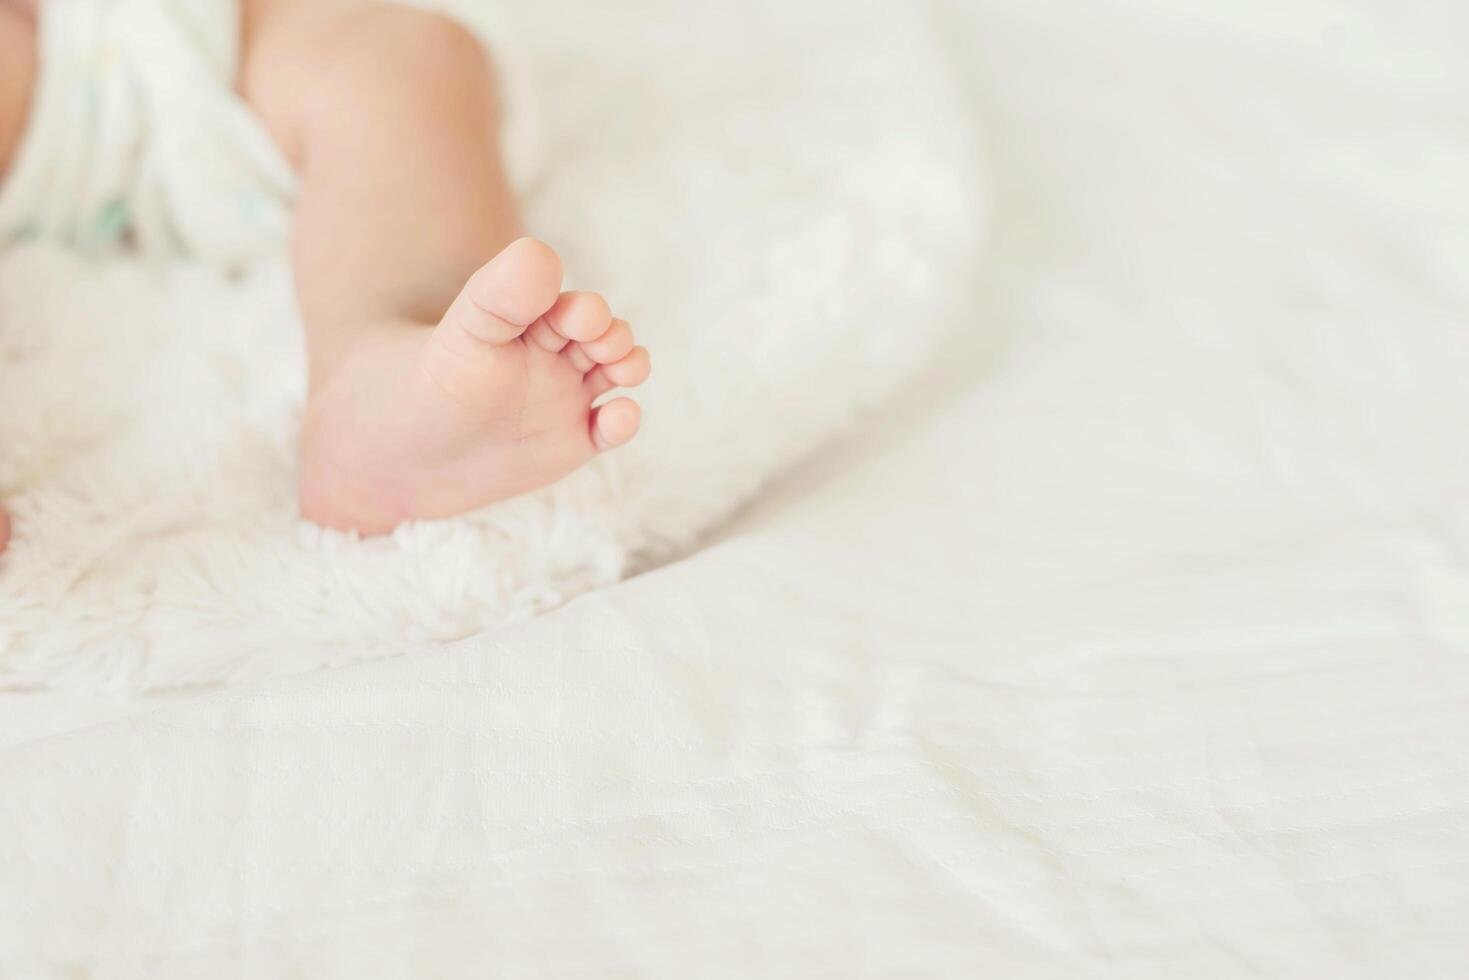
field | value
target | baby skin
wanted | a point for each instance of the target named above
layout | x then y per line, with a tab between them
447	368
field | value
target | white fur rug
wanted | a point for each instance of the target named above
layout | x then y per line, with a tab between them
779	195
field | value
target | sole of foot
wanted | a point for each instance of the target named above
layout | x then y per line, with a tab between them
501	397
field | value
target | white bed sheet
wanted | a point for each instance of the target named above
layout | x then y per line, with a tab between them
1141	650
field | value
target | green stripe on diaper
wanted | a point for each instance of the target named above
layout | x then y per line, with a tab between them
112	221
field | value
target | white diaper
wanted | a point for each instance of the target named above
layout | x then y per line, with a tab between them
137	137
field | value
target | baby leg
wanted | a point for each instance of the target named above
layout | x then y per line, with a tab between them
17	73
440	380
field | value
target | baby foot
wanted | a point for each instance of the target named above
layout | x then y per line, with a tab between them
495	401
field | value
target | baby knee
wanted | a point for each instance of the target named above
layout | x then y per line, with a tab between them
421	41
433	33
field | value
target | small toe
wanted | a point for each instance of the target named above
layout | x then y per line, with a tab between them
544	336
612	346
632	370
578	358
629	372
615	423
580	316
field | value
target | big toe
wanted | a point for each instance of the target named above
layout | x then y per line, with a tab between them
509	293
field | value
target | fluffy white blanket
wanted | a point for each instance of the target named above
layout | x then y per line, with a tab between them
774	193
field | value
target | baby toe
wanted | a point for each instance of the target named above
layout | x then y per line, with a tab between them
613	345
546	337
629	372
615	423
579	358
580	316
503	298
